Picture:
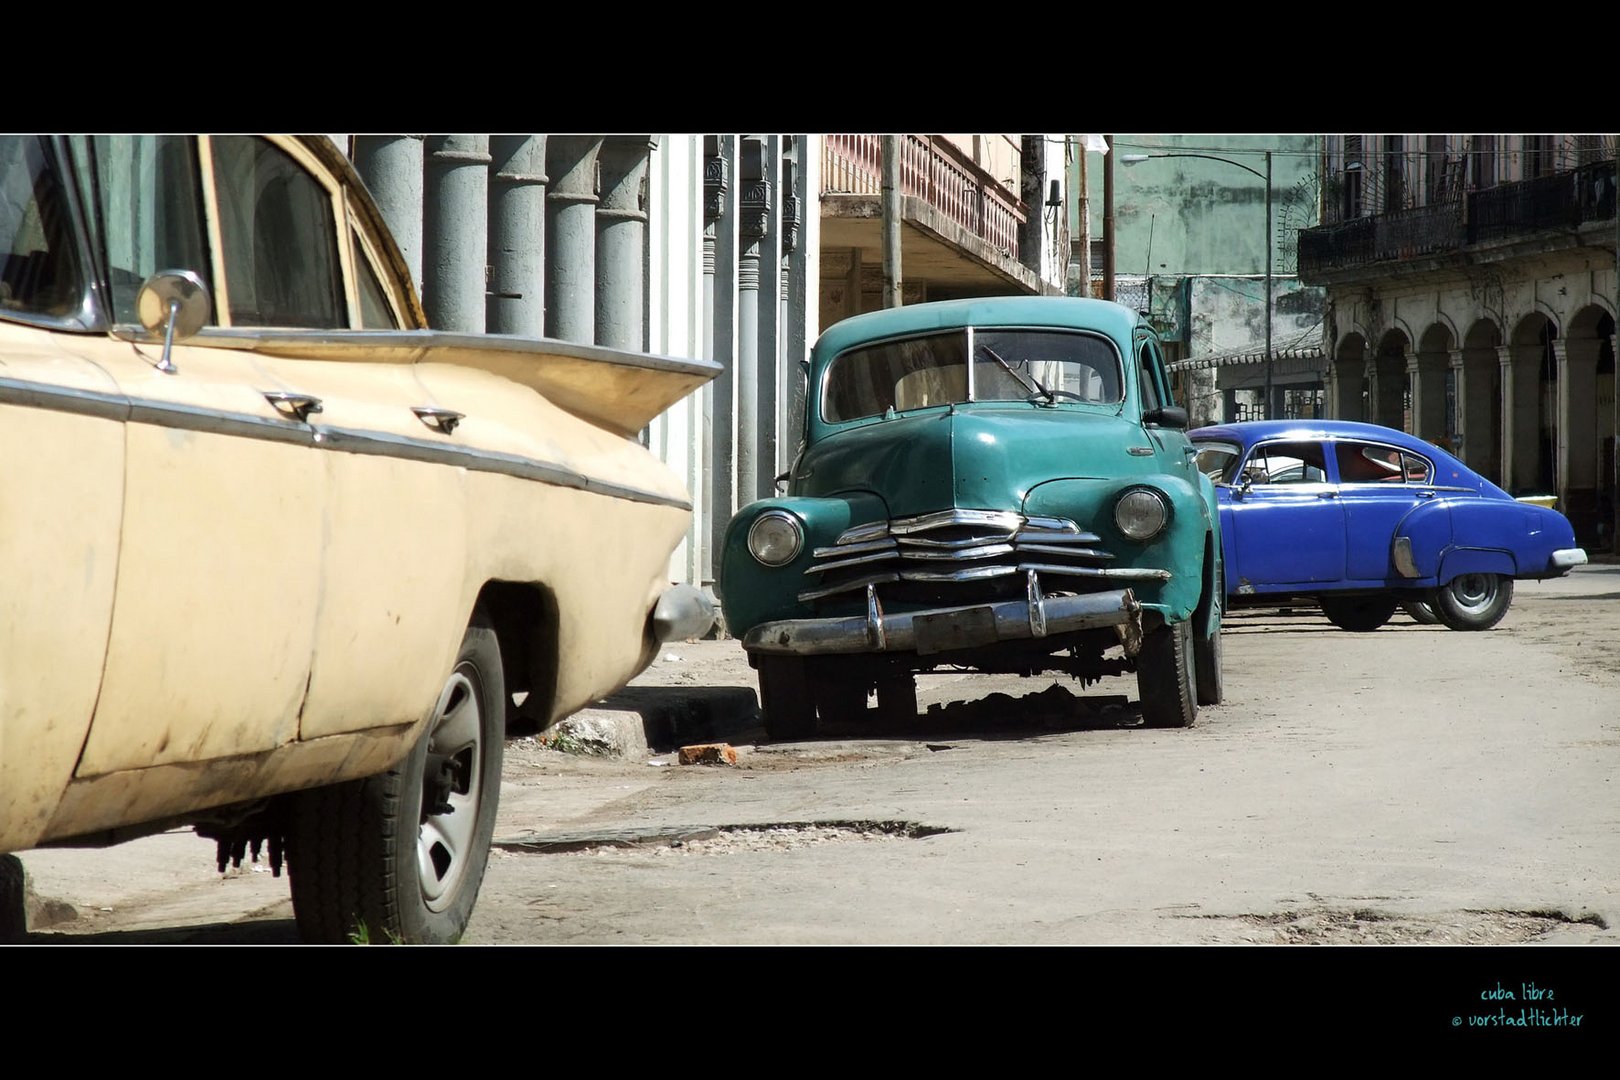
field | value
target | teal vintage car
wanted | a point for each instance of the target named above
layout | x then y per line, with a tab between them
1002	485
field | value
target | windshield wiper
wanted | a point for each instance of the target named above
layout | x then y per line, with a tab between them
1031	382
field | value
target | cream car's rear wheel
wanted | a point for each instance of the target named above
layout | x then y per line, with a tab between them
400	857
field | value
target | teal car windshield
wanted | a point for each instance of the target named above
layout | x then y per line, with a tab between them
1045	366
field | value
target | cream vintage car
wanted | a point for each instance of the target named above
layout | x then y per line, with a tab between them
282	563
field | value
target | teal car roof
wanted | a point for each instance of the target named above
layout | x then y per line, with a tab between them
1104	316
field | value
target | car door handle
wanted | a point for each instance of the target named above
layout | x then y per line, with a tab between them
441	420
1425	494
293	406
1327	494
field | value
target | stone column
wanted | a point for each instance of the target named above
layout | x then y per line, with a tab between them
1387	392
752	224
1521	415
772	280
1427	374
790	376
1479	384
720	217
455	232
1577	433
571	194
621	242
517	235
1346	376
391	166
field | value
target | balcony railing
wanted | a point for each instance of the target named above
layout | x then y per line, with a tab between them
1562	201
931	170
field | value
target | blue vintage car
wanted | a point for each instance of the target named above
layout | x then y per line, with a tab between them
1001	485
1367	519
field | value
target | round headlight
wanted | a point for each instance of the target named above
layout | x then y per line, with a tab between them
775	538
1141	513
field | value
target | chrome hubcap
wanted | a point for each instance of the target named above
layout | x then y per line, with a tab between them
1474	592
454	766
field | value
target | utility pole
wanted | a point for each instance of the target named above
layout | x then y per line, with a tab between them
1108	219
1085	224
1270	286
891	221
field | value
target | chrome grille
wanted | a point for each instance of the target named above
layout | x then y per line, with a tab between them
962	546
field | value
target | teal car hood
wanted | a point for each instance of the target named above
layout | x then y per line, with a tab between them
969	456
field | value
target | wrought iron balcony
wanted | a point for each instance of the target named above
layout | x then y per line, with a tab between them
1563	200
1519	210
931	170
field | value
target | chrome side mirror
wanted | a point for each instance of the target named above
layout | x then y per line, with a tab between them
176	301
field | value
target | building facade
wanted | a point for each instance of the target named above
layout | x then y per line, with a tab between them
1470	285
739	248
1201	231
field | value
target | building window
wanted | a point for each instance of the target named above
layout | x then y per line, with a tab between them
1394	172
1592	148
1435	170
1352	177
1538	156
1482	162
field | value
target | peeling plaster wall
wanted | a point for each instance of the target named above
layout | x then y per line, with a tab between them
1229	313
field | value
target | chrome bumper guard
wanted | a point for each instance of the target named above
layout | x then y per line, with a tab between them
1567	558
947	629
682	611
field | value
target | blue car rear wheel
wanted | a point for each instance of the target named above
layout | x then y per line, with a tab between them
1473	601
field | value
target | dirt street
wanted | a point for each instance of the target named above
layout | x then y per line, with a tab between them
1410	785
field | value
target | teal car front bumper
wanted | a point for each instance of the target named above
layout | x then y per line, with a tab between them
948	629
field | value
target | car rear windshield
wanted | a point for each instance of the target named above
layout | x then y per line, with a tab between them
1050	366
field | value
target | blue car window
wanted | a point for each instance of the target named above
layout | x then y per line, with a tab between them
1286	463
1372	463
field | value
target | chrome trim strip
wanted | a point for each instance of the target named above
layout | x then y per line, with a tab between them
1123	573
842	548
169	414
94	403
1052	524
806	637
872	530
881	556
986	537
943	518
382	444
1049	537
987	551
1052	549
354	441
972	573
849	586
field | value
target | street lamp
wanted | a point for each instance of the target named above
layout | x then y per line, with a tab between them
1132	159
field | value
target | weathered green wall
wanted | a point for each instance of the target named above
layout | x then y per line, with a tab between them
1202	216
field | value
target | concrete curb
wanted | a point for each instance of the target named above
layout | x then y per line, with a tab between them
642	720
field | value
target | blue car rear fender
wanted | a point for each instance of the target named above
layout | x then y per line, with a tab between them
1459	561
